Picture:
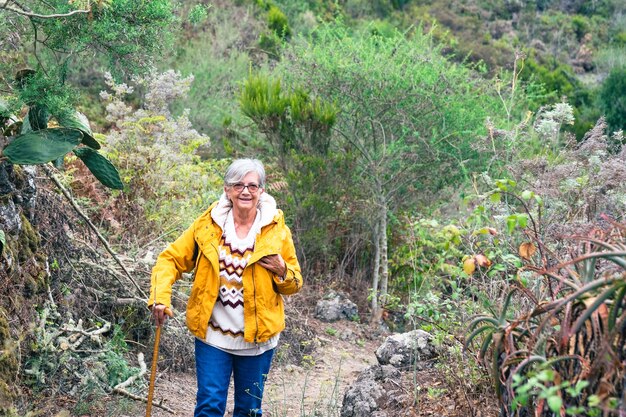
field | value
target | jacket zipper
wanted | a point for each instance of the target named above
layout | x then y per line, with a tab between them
256	316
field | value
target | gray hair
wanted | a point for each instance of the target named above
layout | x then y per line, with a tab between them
242	167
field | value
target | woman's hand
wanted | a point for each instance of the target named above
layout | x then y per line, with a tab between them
160	313
274	263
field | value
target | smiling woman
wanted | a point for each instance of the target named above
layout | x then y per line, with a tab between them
244	261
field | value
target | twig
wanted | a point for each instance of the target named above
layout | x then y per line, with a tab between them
113	272
138	398
67	195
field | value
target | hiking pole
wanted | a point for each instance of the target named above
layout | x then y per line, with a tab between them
155	358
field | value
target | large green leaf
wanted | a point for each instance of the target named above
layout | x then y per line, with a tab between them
77	120
2	241
38	117
41	146
100	167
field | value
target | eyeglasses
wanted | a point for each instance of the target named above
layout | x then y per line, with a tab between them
252	187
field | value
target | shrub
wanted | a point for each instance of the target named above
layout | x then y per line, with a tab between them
613	99
278	23
156	153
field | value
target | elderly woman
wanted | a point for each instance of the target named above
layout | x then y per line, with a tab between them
244	261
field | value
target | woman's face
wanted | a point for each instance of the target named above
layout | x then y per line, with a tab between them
245	199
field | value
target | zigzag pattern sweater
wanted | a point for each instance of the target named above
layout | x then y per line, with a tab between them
226	327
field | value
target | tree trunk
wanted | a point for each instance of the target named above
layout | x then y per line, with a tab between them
384	264
375	275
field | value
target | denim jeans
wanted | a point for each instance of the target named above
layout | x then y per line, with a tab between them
214	368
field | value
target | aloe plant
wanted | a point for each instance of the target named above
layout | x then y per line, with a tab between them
578	333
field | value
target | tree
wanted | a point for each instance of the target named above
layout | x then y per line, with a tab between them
53	37
46	41
407	118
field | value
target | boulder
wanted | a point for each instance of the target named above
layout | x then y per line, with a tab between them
368	396
404	350
336	306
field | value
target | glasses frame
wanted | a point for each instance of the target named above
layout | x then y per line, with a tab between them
243	186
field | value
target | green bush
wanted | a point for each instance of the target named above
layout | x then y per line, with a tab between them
613	99
278	22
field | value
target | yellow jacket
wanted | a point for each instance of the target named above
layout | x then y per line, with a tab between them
197	248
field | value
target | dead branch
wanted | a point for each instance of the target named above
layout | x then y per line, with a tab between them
142	371
80	212
138	398
30	14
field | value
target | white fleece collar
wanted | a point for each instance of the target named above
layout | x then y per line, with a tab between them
266	208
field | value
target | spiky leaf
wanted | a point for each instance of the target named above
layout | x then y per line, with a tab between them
100	167
77	120
2	240
41	146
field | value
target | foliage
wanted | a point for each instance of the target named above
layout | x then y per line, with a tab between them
126	34
218	52
156	155
278	23
198	14
573	328
41	142
298	128
560	321
291	120
406	116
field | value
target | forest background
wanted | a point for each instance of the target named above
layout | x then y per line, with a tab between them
450	165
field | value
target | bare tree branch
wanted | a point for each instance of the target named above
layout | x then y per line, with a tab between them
22	11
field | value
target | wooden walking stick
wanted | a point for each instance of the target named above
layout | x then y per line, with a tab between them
155	358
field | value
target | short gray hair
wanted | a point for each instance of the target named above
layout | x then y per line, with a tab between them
239	168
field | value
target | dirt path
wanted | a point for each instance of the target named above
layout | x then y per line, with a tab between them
314	389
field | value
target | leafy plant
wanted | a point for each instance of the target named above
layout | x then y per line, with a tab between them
574	330
42	140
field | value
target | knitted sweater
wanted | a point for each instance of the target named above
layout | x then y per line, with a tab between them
226	326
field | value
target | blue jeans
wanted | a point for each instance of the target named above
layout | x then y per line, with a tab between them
214	368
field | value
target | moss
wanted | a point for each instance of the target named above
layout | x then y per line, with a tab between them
29	236
8	363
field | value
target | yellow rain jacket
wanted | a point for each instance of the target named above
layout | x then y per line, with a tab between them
197	248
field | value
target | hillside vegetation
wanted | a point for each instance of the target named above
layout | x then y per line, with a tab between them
457	167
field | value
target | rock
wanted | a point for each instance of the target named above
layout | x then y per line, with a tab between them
10	220
335	306
28	191
363	398
406	349
6	184
366	395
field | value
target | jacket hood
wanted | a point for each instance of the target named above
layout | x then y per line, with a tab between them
267	208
